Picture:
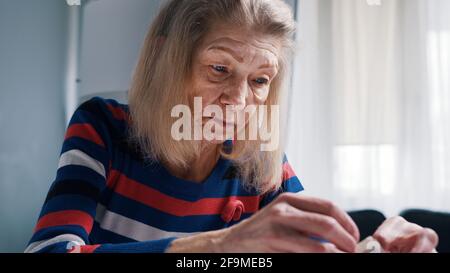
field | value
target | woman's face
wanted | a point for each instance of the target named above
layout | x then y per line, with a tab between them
234	67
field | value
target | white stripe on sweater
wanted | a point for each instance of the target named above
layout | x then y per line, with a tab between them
133	229
77	157
69	238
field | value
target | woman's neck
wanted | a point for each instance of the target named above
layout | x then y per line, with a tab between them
199	168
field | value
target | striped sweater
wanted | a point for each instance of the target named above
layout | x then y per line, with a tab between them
107	198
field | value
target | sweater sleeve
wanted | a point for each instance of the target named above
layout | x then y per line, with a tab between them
290	183
68	214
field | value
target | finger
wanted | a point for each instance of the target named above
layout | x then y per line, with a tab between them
405	243
391	229
413	243
319	225
426	243
398	235
321	206
433	236
300	243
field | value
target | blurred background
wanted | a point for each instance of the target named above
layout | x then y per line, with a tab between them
370	97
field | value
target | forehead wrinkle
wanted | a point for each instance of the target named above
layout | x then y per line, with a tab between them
229	51
250	50
264	46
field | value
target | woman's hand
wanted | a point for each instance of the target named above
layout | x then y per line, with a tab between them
398	235
289	224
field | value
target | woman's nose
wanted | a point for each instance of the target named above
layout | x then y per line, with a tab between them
236	94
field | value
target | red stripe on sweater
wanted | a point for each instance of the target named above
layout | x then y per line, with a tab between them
85	131
66	217
288	172
118	113
83	249
88	248
168	204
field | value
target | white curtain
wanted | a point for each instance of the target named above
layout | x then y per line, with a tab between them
370	105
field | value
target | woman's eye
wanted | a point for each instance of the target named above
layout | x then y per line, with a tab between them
219	68
261	81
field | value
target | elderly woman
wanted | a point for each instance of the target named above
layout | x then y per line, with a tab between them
125	183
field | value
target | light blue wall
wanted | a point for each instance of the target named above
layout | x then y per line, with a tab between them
112	34
32	53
